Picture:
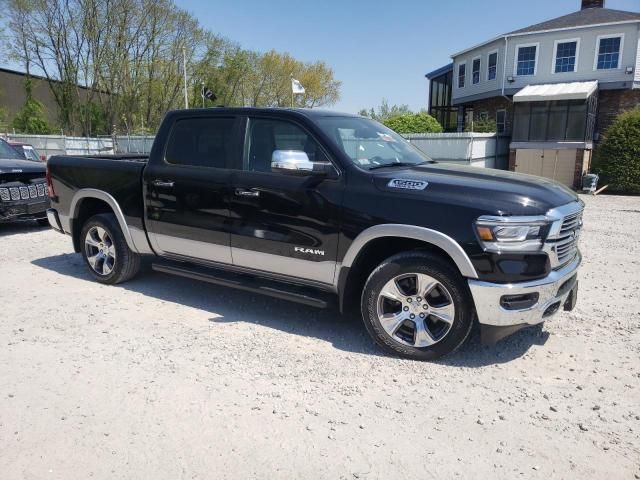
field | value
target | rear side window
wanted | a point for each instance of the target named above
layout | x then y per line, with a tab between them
7	151
201	142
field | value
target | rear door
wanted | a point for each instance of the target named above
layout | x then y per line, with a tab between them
187	190
286	203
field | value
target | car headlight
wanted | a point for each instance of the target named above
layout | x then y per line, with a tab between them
511	234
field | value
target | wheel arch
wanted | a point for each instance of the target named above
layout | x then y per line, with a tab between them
376	243
88	202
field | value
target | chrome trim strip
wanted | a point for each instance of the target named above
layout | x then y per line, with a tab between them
212	252
323	272
141	247
433	237
486	297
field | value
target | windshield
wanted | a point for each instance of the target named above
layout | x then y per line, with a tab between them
370	144
7	151
30	153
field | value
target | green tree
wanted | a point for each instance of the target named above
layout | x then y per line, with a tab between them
414	123
385	111
31	119
618	157
485	126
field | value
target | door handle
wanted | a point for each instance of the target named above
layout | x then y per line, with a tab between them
162	184
241	192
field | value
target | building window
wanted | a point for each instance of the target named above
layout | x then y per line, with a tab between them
492	66
476	71
526	57
609	52
484	116
501	121
566	56
559	121
462	72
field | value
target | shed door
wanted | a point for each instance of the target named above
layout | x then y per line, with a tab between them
555	164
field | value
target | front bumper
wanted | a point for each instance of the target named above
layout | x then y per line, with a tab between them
553	292
23	210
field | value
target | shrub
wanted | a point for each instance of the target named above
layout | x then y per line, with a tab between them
414	123
31	118
485	126
618	157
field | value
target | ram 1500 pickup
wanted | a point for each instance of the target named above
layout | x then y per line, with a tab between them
315	206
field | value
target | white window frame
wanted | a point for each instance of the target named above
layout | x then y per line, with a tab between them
466	75
497	60
595	58
479	57
515	59
555	53
504	110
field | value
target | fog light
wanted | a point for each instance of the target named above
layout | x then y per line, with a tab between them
519	302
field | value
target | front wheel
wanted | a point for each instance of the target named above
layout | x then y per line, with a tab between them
106	252
417	305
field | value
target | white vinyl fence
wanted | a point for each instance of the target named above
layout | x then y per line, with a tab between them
477	149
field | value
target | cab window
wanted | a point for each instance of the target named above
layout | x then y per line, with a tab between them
201	142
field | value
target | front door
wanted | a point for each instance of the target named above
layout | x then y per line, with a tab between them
285	220
187	191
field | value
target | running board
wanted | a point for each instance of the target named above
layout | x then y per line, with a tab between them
292	293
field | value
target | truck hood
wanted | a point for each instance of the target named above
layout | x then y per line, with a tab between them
494	191
20	166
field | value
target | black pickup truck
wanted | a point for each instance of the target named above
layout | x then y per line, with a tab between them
23	191
315	206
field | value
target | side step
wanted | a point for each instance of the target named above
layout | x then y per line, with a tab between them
293	293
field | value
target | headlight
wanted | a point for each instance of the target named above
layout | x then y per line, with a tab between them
511	233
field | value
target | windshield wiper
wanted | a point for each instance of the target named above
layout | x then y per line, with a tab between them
399	164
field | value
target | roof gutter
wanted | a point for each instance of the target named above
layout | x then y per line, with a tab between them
537	32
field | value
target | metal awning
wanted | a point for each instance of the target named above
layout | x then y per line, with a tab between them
556	91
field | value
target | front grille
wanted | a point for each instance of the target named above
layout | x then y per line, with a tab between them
22	192
565	244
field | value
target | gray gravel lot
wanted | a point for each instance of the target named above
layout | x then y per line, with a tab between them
167	378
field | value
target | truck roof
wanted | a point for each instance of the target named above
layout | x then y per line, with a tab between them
307	112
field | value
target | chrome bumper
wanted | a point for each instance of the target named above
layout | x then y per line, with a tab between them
553	291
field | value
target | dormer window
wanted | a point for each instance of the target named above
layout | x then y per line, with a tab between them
609	52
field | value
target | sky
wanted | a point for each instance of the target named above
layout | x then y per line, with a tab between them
377	49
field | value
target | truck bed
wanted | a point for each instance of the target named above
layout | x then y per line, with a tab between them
118	175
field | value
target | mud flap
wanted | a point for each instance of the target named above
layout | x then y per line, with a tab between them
572	299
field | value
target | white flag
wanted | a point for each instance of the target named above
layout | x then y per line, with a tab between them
296	86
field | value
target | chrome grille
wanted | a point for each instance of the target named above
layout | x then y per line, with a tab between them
23	192
565	245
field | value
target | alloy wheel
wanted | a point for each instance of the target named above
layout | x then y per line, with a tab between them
415	309
100	250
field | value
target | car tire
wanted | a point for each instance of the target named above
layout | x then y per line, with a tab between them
417	305
105	250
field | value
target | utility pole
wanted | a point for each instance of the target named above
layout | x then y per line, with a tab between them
184	70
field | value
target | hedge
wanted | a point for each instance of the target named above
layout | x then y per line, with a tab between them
618	157
414	123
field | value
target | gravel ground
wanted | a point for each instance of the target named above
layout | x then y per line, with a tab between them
167	378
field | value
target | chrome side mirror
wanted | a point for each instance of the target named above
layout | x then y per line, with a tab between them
296	162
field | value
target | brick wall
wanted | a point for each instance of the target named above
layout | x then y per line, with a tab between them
611	103
491	105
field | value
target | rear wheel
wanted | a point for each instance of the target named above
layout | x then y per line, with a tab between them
417	305
106	252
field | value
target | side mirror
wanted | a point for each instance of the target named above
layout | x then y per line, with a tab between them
296	162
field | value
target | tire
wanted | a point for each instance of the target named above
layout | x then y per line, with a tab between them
43	222
118	263
445	308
